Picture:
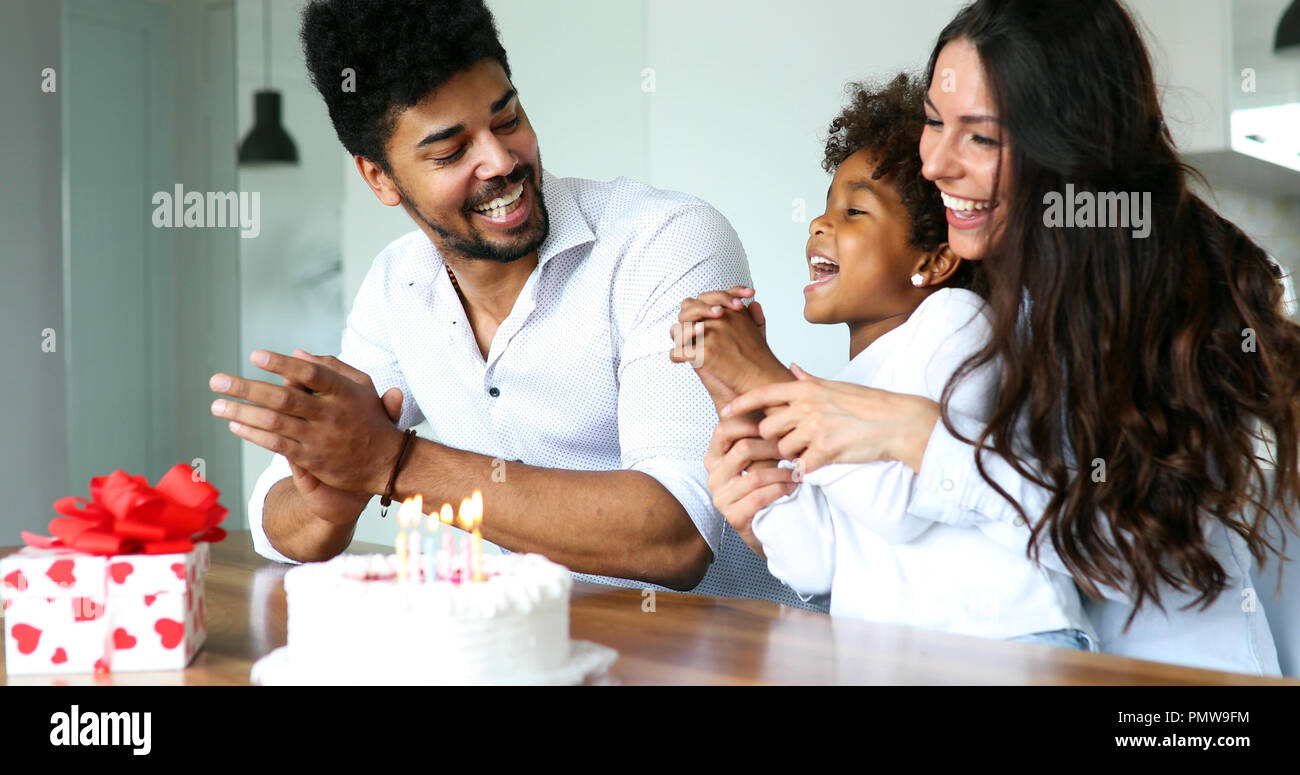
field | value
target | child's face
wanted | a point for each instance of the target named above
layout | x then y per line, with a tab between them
864	231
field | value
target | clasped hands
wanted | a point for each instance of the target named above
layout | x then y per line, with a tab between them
769	413
339	436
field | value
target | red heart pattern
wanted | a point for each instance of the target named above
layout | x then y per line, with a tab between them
120	570
171	631
101	666
85	609
60	656
17	580
122	639
60	573
179	569
148	599
27	637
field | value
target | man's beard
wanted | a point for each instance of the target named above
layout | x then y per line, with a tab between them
474	246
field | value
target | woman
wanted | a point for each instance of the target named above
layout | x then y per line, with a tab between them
1141	364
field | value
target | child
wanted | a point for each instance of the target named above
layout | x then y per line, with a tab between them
879	263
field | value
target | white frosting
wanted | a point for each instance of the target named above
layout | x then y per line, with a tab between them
348	627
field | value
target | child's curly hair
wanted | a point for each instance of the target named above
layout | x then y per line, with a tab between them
887	121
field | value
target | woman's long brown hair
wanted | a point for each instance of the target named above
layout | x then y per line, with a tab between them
1163	360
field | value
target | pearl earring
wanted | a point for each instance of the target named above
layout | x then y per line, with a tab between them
918	280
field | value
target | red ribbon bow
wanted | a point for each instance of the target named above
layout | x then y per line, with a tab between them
127	516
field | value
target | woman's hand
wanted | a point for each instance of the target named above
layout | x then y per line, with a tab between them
817	421
726	343
738	495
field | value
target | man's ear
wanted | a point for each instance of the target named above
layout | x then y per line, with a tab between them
378	181
938	265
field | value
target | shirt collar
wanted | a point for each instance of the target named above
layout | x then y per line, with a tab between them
568	229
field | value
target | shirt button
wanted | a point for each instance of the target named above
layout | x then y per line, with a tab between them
1020	522
946	484
494	392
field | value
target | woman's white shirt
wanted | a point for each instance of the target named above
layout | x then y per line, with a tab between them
1232	634
849	530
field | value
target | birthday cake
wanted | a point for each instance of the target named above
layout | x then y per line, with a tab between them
452	616
353	620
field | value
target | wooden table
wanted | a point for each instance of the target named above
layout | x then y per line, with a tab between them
687	639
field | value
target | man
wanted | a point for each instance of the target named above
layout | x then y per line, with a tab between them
527	319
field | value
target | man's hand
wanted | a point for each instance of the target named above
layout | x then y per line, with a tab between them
736	445
326	419
331	503
726	343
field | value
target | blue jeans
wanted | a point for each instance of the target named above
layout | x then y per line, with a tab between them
1066	639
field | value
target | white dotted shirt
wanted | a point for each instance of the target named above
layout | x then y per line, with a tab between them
578	375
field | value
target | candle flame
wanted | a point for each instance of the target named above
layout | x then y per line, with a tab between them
410	512
471	511
446	516
466	514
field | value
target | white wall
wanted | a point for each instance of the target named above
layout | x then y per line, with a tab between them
33	456
745	92
291	273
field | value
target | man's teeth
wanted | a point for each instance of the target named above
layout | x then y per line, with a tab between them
953	203
497	207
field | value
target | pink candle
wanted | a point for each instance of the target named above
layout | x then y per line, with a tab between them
445	556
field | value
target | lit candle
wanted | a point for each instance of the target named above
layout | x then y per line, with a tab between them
444	557
409	516
478	535
466	519
400	543
430	551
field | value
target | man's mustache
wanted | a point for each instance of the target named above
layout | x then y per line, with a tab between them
498	186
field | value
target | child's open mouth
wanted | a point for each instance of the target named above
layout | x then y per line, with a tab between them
823	271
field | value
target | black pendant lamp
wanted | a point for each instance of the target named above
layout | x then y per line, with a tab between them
267	142
1287	41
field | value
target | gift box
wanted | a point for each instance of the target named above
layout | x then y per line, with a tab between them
119	584
70	612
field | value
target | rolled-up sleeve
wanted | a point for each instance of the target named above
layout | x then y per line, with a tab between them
277	470
665	415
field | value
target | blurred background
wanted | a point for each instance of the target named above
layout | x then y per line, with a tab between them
111	325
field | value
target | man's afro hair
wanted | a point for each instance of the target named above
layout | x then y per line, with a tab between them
399	50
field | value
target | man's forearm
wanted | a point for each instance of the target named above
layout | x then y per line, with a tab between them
297	533
609	523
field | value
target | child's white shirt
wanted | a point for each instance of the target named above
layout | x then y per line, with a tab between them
846	529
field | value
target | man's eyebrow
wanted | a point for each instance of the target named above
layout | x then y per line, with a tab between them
452	131
976	119
500	104
440	135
